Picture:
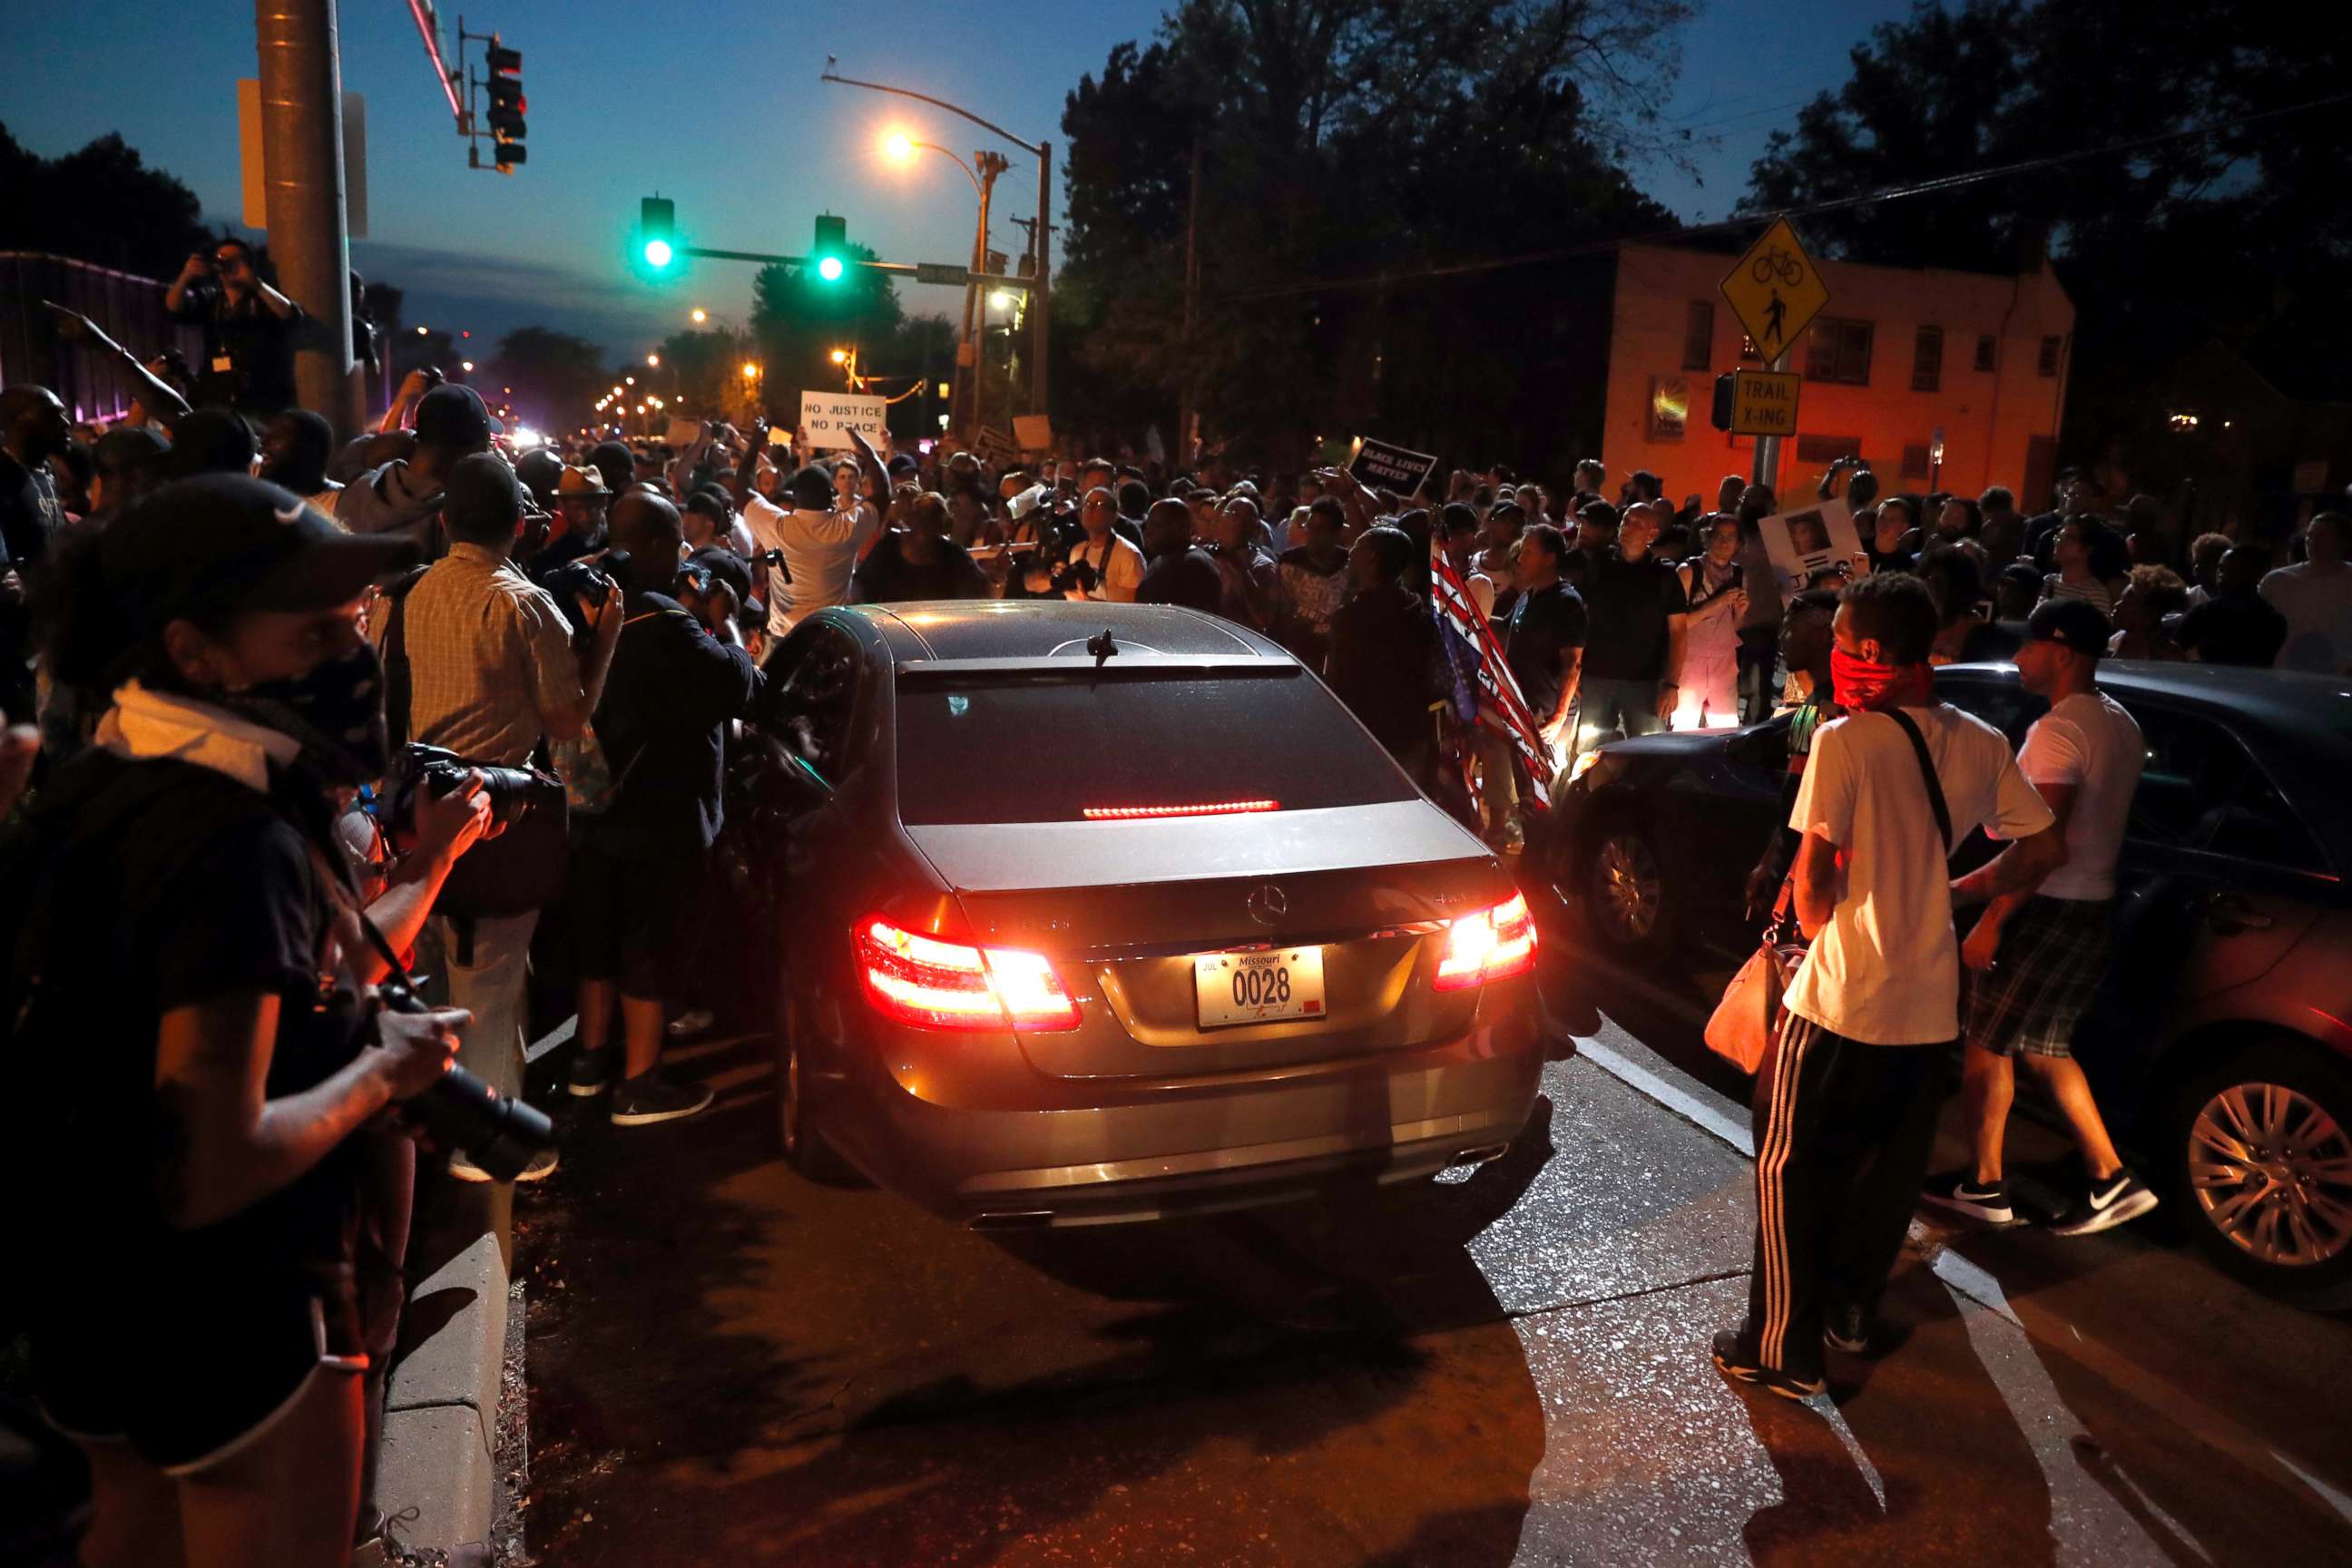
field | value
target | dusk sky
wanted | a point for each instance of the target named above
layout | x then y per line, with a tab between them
719	106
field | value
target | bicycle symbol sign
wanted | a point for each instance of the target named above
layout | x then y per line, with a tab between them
1775	290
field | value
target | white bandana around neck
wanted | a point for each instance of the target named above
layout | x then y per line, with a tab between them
143	725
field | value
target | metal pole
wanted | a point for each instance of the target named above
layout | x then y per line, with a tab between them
990	164
1767	448
303	143
1185	413
1040	299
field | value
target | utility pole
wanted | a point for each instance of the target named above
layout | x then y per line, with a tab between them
975	314
1186	414
302	142
1040	299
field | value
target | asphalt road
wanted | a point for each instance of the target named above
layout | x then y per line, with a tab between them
729	1364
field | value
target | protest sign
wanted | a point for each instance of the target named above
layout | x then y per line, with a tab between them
1379	464
829	416
1034	431
1802	542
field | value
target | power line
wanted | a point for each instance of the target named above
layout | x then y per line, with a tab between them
1838	204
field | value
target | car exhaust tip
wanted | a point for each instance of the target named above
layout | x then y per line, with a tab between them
1477	1156
1013	1219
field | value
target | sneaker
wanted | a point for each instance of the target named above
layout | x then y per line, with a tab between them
1961	1193
2120	1198
590	1070
542	1166
1844	1328
1735	1363
692	1021
649	1097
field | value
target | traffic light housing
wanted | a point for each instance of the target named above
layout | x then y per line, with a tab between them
1721	418
657	231
831	247
505	116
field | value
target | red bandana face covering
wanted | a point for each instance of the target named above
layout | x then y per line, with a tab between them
1861	686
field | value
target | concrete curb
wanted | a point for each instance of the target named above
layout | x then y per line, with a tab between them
437	1472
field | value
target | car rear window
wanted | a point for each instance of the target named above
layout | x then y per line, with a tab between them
1052	748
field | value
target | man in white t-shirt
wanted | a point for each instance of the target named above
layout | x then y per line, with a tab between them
2038	954
1845	1104
821	537
2315	597
1102	565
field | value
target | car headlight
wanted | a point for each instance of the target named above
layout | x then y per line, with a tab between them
1585	763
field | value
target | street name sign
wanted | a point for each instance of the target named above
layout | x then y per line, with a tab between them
943	272
1764	402
1775	290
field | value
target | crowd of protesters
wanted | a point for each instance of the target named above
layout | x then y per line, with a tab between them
227	639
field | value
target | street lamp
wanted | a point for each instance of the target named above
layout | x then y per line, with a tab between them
467	365
700	315
654	360
750	370
841	356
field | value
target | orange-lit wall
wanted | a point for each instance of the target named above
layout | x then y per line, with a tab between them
1989	417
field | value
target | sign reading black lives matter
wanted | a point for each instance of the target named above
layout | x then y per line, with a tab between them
1391	468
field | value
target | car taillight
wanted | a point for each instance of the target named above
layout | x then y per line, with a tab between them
936	984
1197	808
1493	944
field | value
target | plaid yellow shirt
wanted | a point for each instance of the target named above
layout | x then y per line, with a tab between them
490	657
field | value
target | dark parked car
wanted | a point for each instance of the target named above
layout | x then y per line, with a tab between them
1102	912
2222	1046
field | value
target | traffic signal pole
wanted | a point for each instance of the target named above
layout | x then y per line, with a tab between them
303	197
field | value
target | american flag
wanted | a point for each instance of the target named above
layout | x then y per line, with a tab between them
1483	690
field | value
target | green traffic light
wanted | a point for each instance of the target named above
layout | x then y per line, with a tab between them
829	268
657	253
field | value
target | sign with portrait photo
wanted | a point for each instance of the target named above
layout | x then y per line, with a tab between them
1810	539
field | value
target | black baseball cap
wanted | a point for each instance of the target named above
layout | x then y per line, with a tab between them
210	441
1599	513
454	415
2071	623
482	488
735	573
225	543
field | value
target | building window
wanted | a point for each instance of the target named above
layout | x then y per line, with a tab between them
1827	449
1928	359
1985	351
1915	460
1698	335
1839	351
1748	350
2048	363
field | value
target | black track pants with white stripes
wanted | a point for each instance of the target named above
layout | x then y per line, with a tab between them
1842	1134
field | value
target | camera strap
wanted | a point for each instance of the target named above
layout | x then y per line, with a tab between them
399	683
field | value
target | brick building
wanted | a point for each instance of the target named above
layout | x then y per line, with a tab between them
1897	355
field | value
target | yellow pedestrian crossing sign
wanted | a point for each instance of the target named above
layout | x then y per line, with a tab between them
1775	290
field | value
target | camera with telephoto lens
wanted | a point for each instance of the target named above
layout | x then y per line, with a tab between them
1075	573
497	1132
420	769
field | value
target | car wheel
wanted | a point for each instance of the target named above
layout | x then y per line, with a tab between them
2260	1149
1626	908
798	1130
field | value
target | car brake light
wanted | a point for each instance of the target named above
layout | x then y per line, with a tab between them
1493	944
936	984
1206	808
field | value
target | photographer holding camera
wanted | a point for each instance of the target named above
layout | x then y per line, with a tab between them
208	1071
1103	564
250	329
490	676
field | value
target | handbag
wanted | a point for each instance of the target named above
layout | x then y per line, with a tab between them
1748	1019
522	869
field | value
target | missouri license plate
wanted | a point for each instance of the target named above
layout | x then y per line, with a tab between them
1258	987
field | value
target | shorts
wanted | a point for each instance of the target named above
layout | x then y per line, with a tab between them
2053	954
192	1395
627	915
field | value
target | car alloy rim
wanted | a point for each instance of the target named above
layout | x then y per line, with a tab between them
1625	885
2272	1172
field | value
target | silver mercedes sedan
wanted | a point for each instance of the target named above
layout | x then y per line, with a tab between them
1101	912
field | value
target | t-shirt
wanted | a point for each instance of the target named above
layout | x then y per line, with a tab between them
248	349
1886	970
1545	624
2086	742
821	550
671	689
1383	646
2318	610
1186	577
2234	629
886	576
1118	569
1628	603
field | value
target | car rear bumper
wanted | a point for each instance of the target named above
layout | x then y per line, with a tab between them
1144	1153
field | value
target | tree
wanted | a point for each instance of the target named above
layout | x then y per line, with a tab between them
1341	138
100	205
556	378
799	319
2242	232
